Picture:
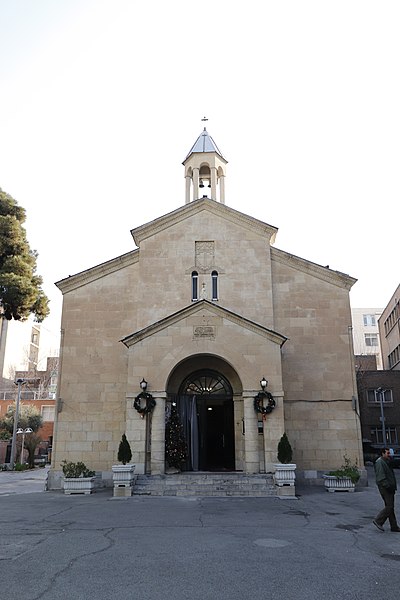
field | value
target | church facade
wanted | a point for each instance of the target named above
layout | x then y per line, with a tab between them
203	310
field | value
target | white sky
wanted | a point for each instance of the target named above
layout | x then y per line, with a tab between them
102	99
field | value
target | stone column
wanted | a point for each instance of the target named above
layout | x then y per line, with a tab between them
213	183
222	189
188	181
251	453
196	192
158	434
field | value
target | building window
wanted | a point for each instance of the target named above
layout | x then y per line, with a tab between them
195	286
371	339
369	320
214	285
35	338
394	357
373	397
391	436
48	413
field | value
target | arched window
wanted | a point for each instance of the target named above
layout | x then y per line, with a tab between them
206	383
195	286
214	285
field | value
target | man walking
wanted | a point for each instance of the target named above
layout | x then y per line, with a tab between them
387	486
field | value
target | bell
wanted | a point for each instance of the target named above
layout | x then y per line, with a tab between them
209	184
201	183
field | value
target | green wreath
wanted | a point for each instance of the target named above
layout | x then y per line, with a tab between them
259	403
149	405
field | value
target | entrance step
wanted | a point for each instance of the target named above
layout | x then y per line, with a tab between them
205	484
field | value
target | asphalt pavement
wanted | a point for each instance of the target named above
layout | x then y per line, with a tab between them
320	545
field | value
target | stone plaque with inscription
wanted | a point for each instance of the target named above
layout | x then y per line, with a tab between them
204	331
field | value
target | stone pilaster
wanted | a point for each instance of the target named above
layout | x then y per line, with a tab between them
273	429
251	452
158	434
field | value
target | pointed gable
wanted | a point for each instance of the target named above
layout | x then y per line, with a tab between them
205	204
198	308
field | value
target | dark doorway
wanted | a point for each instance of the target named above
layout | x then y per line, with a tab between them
206	408
216	435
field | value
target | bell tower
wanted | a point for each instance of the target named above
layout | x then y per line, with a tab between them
205	170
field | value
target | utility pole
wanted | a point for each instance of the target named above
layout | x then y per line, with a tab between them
381	393
20	382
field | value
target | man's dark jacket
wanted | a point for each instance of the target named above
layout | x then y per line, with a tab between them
385	478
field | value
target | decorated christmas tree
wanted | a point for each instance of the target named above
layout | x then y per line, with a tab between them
175	444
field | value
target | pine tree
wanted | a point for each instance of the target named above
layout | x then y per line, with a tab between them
175	444
21	291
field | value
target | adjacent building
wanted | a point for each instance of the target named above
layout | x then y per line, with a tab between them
379	401
379	390
366	333
38	390
25	346
389	330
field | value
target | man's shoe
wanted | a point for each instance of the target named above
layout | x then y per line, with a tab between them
380	526
396	529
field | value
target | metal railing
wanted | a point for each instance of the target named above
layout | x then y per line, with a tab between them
11	395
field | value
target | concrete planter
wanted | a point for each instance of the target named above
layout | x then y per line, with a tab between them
123	479
338	484
78	485
285	475
284	478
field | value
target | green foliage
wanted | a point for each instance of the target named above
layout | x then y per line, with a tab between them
29	416
348	469
5	435
32	441
21	293
75	469
285	452
20	467
124	451
175	444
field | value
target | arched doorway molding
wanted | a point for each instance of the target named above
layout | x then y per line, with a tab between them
198	362
208	414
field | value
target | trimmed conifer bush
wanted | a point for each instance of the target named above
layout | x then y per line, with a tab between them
124	451
285	452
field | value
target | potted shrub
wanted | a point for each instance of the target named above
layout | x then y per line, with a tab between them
78	479
123	473
343	479
285	470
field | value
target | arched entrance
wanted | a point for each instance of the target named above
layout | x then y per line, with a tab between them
205	406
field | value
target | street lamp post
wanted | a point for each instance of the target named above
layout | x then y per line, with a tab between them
24	432
20	382
381	393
